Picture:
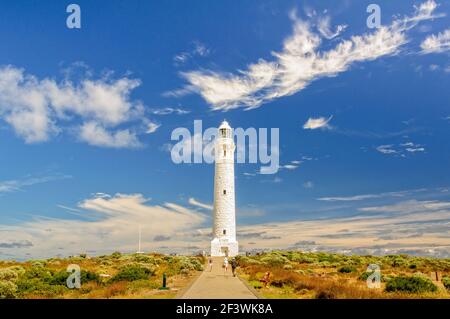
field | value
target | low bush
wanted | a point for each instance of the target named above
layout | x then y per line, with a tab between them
366	274
132	273
446	282
274	260
414	284
8	274
60	278
8	290
38	287
347	269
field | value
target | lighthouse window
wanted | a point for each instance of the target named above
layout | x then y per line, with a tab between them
223	132
224	231
224	151
224	191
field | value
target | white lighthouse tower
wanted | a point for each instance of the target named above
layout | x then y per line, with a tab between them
224	230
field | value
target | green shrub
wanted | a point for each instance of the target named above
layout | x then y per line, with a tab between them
347	269
399	262
446	282
8	274
8	289
275	260
38	272
256	284
116	255
132	273
144	259
366	274
60	278
186	264
39	287
414	284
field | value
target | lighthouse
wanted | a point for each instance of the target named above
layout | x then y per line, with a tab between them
224	228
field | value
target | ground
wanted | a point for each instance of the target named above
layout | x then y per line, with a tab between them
217	284
294	274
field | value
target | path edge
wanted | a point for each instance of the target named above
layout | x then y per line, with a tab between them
183	290
252	290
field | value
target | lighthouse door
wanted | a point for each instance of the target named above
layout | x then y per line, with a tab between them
224	250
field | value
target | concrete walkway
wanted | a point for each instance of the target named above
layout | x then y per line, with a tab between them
217	284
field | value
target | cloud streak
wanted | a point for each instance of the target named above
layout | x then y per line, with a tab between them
316	123
436	43
19	184
299	63
115	227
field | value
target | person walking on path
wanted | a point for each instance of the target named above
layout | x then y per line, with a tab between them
233	266
225	264
210	262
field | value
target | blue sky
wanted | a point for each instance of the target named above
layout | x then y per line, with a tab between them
86	117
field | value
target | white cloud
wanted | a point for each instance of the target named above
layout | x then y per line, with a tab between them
315	123
169	110
290	166
417	227
18	184
386	149
115	228
433	67
371	196
436	43
95	134
323	27
152	127
408	147
39	108
415	149
195	202
298	64
199	49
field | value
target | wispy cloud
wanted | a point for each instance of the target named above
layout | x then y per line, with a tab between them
195	202
169	110
299	63
324	28
315	123
401	149
19	184
386	149
436	43
370	196
152	127
199	49
413	227
119	218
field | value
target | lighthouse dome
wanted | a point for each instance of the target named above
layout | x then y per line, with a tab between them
225	130
225	125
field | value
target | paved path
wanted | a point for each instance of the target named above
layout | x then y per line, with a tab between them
217	284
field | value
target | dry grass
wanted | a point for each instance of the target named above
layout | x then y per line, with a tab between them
300	280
